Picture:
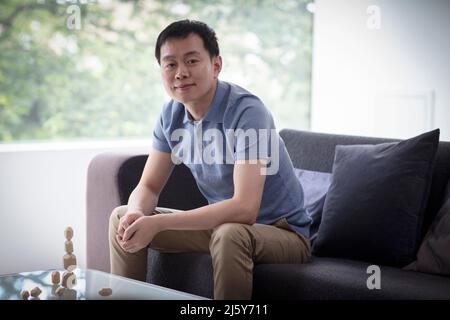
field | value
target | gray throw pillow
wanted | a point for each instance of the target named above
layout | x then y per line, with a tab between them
315	186
434	252
374	208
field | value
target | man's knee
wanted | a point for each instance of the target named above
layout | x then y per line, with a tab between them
230	235
115	216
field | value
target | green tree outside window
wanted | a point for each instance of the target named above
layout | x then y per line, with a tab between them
73	69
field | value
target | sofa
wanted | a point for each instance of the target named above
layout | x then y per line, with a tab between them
112	176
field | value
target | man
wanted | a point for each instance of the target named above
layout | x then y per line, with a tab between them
255	212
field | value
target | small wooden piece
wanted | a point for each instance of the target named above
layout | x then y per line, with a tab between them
56	277
69	246
105	292
69	294
69	260
68	233
35	292
24	294
69	279
60	291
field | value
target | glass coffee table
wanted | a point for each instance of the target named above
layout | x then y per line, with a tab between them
88	284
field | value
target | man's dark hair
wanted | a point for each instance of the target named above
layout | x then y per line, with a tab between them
182	29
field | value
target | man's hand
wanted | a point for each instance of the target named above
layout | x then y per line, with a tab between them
139	234
126	221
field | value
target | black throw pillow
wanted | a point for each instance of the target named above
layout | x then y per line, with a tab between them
374	207
434	252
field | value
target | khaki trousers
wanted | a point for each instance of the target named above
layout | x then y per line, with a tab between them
234	249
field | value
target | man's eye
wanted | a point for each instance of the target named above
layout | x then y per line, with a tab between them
192	61
170	65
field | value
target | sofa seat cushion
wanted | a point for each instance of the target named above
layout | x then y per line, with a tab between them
322	278
188	272
332	278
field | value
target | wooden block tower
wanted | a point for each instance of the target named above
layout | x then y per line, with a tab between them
70	260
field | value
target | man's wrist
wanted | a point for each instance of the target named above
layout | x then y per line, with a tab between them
131	210
158	221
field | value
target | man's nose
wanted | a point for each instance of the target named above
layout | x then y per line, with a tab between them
182	72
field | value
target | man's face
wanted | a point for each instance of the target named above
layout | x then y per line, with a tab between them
189	74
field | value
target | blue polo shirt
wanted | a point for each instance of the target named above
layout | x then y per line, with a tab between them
237	126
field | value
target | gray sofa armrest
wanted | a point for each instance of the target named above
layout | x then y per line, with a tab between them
102	197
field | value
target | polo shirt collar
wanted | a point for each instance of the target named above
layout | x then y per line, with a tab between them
215	110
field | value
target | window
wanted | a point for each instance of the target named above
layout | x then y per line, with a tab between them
86	69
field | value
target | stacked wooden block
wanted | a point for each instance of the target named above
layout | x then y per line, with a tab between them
70	260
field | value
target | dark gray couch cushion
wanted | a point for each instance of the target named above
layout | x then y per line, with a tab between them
174	194
331	278
188	271
322	278
434	252
374	207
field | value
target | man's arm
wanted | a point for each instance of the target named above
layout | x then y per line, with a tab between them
144	197
157	170
243	207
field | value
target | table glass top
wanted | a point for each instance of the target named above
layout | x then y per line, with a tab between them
87	287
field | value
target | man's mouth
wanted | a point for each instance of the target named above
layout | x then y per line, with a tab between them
184	86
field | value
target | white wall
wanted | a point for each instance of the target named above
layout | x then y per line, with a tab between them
389	82
43	190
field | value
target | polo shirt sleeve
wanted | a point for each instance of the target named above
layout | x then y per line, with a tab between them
253	131
159	138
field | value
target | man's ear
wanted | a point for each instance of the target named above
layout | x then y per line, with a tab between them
217	62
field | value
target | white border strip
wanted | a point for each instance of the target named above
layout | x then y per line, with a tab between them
74	145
